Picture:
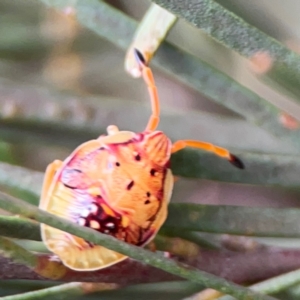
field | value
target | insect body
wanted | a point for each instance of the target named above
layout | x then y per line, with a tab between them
119	184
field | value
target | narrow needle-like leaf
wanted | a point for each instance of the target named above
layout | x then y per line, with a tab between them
16	253
18	227
273	285
64	291
18	207
256	221
232	31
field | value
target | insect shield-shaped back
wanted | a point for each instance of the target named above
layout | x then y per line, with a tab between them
147	185
117	188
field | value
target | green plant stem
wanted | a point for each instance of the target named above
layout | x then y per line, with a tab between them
118	28
260	168
16	227
251	221
137	291
18	207
63	291
274	285
16	253
293	292
233	32
229	29
278	283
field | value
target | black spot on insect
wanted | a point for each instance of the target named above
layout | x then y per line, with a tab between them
137	157
152	172
130	185
118	164
147	201
148	194
151	219
101	148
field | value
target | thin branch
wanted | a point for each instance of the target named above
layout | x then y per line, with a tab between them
156	260
118	28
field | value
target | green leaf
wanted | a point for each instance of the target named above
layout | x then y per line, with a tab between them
18	227
273	285
232	31
260	168
256	221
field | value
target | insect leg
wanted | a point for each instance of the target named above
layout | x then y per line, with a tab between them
224	153
50	172
149	80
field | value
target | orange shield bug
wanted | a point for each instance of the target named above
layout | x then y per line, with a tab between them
119	184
